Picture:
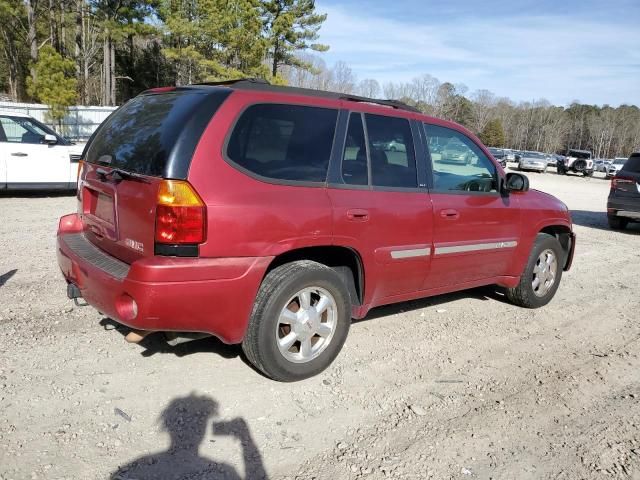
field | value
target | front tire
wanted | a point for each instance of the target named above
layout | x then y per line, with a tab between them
541	277
299	322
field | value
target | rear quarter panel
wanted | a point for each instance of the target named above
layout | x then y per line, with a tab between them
247	216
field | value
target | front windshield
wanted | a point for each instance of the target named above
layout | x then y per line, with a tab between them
620	162
534	155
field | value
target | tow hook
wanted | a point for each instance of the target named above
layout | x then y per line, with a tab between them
74	293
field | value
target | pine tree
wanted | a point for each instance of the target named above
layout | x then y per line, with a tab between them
55	83
493	134
290	26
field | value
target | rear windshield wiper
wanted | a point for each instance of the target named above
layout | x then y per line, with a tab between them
118	174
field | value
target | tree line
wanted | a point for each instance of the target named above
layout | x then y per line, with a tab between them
499	122
104	52
66	52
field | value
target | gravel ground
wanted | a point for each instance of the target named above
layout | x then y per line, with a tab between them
456	386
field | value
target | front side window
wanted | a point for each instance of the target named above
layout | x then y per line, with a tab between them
284	142
21	130
393	160
458	163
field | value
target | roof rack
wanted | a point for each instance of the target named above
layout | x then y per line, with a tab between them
261	84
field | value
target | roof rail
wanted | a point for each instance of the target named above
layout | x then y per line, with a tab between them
261	84
389	103
261	81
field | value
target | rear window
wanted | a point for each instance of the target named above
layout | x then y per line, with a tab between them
284	142
149	132
633	164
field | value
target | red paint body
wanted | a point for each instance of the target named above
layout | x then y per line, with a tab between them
251	222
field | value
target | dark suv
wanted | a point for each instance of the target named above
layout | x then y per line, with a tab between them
271	216
623	205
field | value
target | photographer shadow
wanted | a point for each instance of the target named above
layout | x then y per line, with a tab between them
186	420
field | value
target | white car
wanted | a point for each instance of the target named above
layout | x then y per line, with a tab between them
535	161
32	156
615	166
601	165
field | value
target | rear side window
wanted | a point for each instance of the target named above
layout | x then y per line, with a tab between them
284	142
354	156
393	160
633	164
150	132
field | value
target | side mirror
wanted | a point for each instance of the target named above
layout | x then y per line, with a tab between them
516	182
50	139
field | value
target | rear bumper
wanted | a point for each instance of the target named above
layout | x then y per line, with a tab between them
537	168
212	295
624	207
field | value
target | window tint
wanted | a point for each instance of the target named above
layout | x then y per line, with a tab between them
21	130
354	156
458	163
142	135
393	161
284	142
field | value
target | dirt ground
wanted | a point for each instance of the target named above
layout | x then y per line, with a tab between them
455	386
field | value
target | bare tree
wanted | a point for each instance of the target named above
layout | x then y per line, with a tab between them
369	88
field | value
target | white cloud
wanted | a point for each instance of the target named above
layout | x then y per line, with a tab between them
523	57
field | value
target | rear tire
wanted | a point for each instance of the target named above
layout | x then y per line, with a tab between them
287	338
617	223
542	274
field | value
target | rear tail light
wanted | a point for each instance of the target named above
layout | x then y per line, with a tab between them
180	214
617	182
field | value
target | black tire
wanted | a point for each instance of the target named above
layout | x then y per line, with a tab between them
523	294
278	287
617	223
588	173
579	166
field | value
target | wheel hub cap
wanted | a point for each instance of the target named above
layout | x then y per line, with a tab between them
544	273
306	324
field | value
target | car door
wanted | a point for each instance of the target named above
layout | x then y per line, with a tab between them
30	162
475	228
379	206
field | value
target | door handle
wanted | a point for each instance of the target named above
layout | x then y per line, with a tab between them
358	215
450	214
19	154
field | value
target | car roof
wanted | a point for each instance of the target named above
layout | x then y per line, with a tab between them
376	106
14	113
261	85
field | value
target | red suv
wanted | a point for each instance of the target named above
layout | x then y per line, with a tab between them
270	216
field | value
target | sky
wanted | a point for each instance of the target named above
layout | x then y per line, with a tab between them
562	50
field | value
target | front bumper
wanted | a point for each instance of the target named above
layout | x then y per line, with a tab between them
212	295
